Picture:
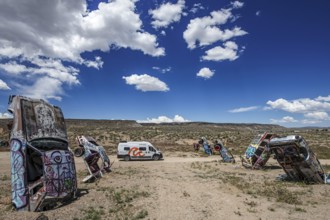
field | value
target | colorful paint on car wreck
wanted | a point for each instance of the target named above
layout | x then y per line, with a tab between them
207	148
91	153
297	160
225	154
18	171
42	165
257	153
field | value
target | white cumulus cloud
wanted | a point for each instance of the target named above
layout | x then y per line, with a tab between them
285	119
323	98
196	7
206	30
66	29
304	105
13	67
313	110
205	73
41	39
228	52
237	4
167	14
6	115
44	88
146	83
164	119
317	115
3	85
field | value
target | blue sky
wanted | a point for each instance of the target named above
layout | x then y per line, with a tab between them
177	60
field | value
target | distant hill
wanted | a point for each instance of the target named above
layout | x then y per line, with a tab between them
87	125
171	137
228	126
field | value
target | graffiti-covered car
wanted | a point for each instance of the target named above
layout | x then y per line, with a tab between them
207	148
298	161
257	153
43	172
91	153
225	154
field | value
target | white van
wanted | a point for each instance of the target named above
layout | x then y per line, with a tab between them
138	150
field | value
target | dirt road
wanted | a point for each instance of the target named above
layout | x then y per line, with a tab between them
185	186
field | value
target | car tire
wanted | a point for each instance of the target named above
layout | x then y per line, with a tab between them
127	158
79	151
156	157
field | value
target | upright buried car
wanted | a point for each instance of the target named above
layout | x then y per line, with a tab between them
42	166
297	160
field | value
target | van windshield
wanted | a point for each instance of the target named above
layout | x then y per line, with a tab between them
152	148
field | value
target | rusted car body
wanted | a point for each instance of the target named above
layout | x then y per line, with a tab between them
257	154
91	153
297	160
43	171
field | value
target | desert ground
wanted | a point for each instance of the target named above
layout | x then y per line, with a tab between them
182	186
186	184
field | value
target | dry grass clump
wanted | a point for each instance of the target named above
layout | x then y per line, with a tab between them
254	185
5	193
123	202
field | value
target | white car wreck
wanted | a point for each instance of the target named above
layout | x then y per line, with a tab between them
297	160
91	153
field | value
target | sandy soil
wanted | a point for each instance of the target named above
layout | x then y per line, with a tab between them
183	186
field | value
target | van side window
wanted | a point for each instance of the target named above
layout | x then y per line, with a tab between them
126	148
152	149
143	148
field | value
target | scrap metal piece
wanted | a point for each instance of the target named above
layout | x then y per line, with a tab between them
91	153
297	160
257	153
42	166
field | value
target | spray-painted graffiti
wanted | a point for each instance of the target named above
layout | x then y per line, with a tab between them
257	153
18	170
226	155
42	167
45	117
135	152
250	152
59	171
91	153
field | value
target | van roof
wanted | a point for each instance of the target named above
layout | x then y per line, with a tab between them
135	142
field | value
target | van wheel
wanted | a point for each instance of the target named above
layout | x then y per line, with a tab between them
156	157
127	158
